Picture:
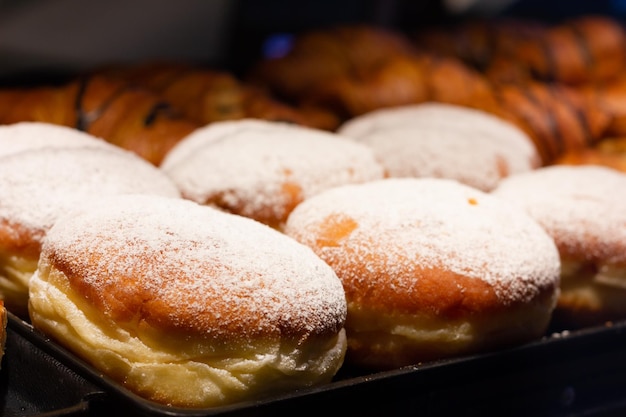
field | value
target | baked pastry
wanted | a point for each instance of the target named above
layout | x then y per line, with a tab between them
124	115
558	118
609	96
594	156
323	55
39	185
444	141
584	209
432	268
186	305
24	136
206	95
262	169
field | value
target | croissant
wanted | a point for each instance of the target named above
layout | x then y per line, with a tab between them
610	152
206	95
132	118
611	97
326	54
581	50
404	79
478	42
556	117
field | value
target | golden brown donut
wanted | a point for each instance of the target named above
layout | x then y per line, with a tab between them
583	207
444	141
39	185
186	305
431	268
263	169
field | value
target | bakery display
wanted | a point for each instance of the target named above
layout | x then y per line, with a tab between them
462	108
431	268
444	141
582	207
39	185
263	169
186	305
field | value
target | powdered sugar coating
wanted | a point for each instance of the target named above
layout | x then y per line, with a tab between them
180	265
38	186
24	136
432	223
582	207
444	141
247	166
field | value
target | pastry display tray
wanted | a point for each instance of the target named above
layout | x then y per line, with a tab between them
565	373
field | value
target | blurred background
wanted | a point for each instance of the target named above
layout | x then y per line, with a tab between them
73	35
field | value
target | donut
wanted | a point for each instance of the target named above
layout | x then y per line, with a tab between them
186	305
583	208
24	136
39	185
263	169
431	268
444	141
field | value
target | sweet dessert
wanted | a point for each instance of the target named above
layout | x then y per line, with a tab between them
432	268
24	136
584	209
38	186
444	141
262	169
186	305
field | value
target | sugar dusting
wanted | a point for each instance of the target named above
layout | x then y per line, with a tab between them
247	163
207	269
444	141
25	136
583	207
38	186
435	223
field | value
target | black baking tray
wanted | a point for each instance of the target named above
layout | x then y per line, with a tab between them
577	373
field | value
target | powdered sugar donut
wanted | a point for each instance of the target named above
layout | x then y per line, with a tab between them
262	169
38	186
431	268
25	136
444	141
583	207
187	305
